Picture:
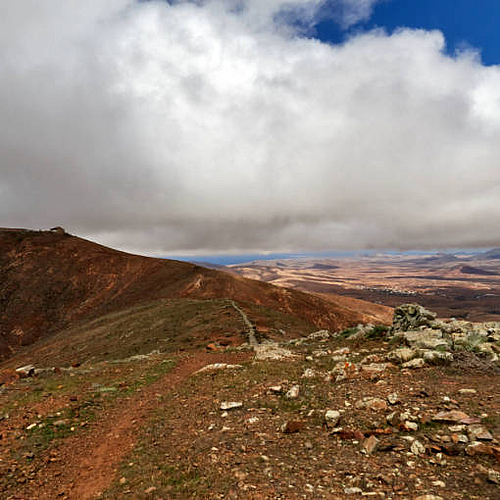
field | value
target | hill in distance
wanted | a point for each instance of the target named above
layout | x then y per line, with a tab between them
54	283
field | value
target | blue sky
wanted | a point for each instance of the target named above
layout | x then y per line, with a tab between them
463	22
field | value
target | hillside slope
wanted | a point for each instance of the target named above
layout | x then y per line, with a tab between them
49	280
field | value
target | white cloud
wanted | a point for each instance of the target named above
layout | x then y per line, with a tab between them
187	126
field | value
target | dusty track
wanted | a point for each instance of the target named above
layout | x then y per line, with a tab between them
86	464
248	324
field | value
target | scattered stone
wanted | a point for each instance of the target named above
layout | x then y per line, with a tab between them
217	367
477	448
393	398
230	405
293	392
123	480
348	434
331	418
429	497
370	444
417	448
411	426
353	491
252	420
494	476
393	418
151	489
292	426
467	391
26	371
373	404
402	355
276	389
309	373
456	428
479	432
341	352
438	358
410	316
319	335
271	351
453	416
414	364
376	368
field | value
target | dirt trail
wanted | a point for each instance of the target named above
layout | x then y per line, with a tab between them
85	464
250	327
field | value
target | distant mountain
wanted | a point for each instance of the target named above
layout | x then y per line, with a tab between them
49	280
325	267
493	254
438	259
474	270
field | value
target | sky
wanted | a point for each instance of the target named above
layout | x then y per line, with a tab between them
251	126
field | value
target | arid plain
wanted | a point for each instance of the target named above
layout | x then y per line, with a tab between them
465	286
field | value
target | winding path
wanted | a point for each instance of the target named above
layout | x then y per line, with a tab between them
249	326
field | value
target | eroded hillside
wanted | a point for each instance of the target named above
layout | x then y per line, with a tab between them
50	280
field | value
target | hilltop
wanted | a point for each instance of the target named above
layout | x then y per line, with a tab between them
51	281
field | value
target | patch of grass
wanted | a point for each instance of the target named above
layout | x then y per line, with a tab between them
344	334
377	332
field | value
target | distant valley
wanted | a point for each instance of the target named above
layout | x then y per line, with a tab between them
462	286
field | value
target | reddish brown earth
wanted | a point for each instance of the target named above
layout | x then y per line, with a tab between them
84	465
49	280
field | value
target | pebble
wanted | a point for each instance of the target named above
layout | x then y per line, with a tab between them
417	448
293	392
353	491
393	398
331	418
370	445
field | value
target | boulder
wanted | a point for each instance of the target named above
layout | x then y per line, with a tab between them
411	316
414	364
438	358
402	355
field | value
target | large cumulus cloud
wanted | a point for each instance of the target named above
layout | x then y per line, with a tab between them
223	125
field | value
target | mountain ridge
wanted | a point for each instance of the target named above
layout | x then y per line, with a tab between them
51	279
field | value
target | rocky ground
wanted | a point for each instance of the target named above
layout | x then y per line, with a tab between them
410	412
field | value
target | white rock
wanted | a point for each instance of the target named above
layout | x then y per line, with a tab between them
417	448
309	373
414	363
353	491
494	476
467	391
293	392
331	418
26	371
230	405
217	367
321	334
393	398
411	425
